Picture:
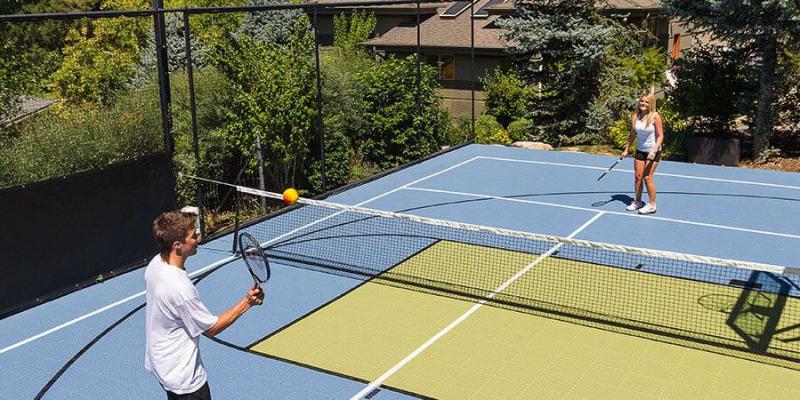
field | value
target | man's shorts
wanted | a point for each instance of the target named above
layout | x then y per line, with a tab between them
204	393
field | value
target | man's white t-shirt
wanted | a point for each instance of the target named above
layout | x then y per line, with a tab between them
175	318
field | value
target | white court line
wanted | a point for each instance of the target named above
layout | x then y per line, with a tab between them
625	214
702	178
223	261
386	375
102	309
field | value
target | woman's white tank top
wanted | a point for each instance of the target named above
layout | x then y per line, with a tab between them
645	135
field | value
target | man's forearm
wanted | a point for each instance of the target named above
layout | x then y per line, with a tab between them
227	318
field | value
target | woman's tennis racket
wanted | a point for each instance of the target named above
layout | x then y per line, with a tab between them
610	168
255	258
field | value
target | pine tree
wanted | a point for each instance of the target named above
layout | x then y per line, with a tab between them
560	47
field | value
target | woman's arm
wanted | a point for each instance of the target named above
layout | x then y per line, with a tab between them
659	135
631	136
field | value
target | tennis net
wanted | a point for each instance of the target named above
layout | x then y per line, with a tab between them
744	308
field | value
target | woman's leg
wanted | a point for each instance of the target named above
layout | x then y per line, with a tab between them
649	171
638	167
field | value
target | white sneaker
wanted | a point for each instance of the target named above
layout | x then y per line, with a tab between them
635	205
648	209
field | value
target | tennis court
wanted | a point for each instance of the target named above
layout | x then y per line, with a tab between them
484	272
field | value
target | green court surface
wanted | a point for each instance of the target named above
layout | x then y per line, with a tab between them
504	353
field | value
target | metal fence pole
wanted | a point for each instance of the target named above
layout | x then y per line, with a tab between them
472	61
419	73
320	128
163	77
193	109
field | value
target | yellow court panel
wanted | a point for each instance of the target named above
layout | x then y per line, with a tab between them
365	332
503	354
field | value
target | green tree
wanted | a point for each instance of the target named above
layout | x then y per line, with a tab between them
508	97
757	29
560	46
42	41
13	6
788	110
350	33
218	157
176	50
397	131
274	27
101	58
343	104
702	74
589	67
67	139
628	71
489	131
274	100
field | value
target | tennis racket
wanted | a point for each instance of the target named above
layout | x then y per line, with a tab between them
610	168
255	258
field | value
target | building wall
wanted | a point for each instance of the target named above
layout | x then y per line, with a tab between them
459	102
686	40
457	93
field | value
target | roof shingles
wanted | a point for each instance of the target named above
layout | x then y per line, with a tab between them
446	32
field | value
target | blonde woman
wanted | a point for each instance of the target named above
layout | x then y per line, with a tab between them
646	127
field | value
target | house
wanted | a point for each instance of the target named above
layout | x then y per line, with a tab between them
446	39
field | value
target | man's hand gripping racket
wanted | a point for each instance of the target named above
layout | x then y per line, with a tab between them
256	261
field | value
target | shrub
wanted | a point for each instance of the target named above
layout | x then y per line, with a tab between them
677	131
397	130
460	130
518	130
70	139
508	97
213	92
489	131
618	133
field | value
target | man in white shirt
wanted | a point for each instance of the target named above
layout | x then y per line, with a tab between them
175	315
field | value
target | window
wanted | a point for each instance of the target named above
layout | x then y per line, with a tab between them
456	9
445	63
676	46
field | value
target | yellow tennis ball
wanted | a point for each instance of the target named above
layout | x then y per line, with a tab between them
290	196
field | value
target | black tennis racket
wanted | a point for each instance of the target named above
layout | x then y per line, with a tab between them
255	258
610	168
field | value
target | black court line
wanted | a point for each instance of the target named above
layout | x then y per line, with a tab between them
102	334
82	351
197	280
313	367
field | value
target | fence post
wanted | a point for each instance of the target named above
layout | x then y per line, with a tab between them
419	73
320	128
163	76
472	62
193	109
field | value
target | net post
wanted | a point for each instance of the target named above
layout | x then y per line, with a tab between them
235	222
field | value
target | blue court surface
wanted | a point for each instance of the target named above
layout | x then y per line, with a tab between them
90	344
